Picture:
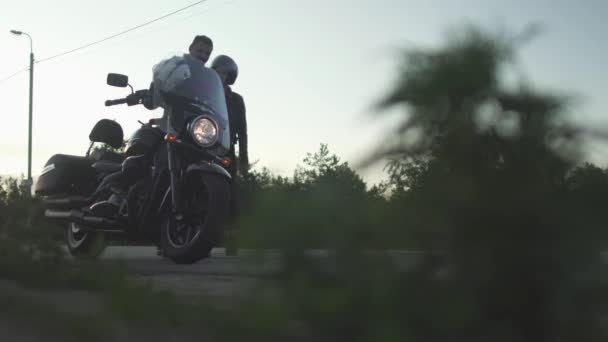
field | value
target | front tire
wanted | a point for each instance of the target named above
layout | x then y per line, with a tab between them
84	244
189	237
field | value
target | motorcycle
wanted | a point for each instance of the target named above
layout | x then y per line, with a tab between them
174	170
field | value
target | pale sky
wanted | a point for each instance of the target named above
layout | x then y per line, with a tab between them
310	71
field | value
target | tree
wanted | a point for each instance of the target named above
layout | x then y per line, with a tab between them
324	170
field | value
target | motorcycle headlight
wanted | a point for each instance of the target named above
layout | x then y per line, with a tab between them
204	131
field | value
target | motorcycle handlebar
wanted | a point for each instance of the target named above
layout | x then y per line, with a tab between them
115	102
133	99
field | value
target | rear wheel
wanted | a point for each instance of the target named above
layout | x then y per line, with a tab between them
189	236
84	244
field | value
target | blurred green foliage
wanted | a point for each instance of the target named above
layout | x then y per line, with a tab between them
486	184
484	181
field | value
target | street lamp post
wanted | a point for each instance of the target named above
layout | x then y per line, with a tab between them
29	146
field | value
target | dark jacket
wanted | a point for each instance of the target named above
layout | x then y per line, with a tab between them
238	124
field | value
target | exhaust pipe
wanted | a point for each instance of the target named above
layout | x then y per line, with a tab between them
88	221
57	214
67	202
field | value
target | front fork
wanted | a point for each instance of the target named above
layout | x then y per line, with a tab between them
173	167
173	177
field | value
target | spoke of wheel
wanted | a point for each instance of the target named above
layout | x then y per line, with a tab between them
174	233
191	232
179	227
180	236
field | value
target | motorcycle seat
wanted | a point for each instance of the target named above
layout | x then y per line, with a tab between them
106	166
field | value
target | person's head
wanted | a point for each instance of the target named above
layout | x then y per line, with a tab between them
201	48
225	67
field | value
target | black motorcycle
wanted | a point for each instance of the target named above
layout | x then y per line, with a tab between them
175	186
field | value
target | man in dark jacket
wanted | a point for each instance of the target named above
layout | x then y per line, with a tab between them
228	71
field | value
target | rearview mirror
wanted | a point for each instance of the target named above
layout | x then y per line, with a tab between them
118	80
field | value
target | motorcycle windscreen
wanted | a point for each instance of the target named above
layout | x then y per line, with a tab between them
205	86
187	78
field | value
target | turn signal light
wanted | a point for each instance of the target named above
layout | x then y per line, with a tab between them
226	162
171	137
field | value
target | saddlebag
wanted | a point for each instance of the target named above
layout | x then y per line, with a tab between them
64	174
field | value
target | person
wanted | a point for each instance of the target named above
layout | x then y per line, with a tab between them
201	48
228	71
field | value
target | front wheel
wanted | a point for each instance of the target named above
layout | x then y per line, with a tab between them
189	236
84	244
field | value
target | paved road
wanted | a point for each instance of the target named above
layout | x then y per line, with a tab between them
143	260
219	275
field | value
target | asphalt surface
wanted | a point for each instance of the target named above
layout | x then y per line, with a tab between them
145	261
219	275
